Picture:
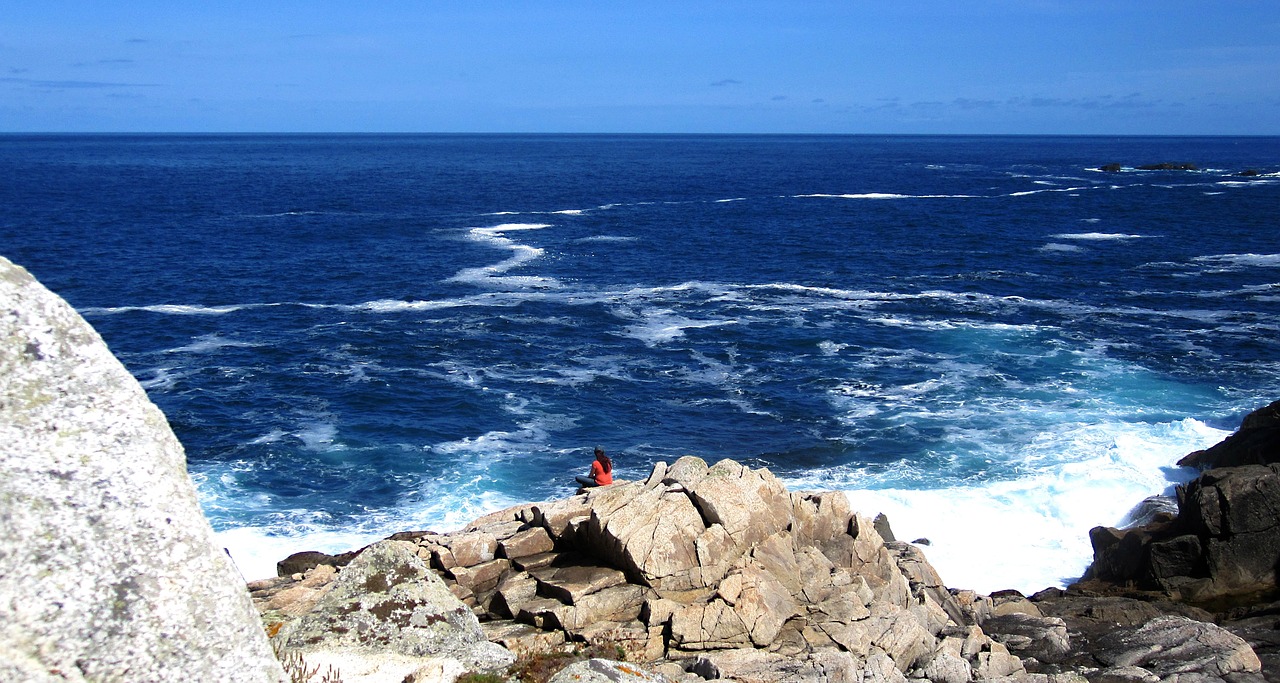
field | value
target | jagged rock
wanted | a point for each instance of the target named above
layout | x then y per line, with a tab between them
571	583
108	570
881	669
649	533
948	668
882	527
287	598
1225	539
1256	442
388	602
526	543
471	548
1112	168
1171	645
713	558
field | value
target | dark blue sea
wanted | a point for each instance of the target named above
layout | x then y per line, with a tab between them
990	339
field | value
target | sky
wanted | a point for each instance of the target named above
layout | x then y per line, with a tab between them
1115	67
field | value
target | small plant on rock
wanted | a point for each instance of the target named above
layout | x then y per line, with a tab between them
295	667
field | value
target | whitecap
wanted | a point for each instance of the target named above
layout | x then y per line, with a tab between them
658	326
273	436
1096	236
1066	248
830	348
883	195
162	379
167	309
1246	183
1025	193
1076	477
255	550
318	436
209	343
1241	260
492	275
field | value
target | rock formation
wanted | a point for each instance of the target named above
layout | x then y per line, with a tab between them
108	570
717	572
1224	541
705	570
1256	442
388	616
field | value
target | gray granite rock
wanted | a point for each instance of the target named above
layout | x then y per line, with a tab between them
1171	645
387	604
605	671
108	569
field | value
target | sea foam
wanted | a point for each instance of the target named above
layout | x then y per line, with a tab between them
1032	532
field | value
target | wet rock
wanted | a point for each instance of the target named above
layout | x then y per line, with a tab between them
1256	442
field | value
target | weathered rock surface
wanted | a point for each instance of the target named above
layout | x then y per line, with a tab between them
717	570
108	570
388	613
605	671
1170	645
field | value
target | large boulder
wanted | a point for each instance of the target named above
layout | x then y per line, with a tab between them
108	570
1256	442
1172	646
389	616
1225	540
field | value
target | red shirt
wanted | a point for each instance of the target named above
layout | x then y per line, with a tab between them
597	472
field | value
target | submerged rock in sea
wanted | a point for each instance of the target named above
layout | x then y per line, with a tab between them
108	570
1169	166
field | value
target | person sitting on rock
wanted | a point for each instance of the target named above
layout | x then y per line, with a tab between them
601	471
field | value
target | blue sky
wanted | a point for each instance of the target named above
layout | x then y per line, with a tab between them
993	66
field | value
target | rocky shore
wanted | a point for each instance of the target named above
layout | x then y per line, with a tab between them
108	571
717	572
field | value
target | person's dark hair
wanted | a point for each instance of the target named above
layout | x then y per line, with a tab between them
604	460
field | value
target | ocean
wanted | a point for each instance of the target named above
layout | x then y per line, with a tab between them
990	339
